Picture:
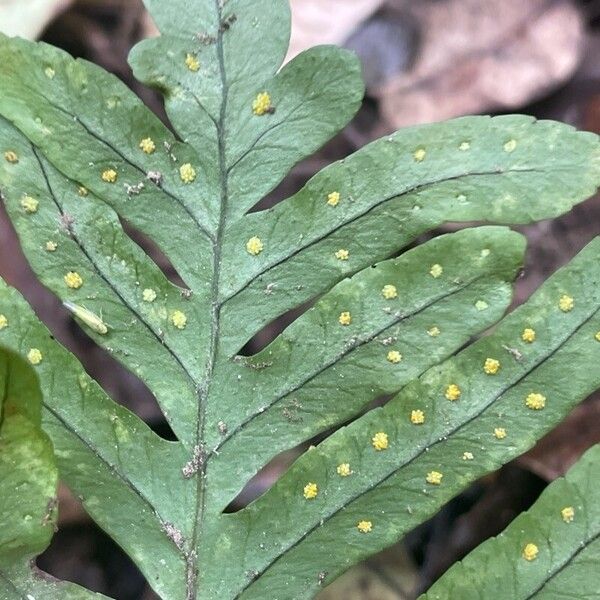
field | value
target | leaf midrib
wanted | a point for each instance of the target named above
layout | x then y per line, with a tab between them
194	557
535	365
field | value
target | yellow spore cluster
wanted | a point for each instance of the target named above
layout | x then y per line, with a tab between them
109	176
491	366
73	280
34	356
453	392
187	173
434	478
345	318
333	198
343	470
179	319
147	145
389	292
417	417
394	356
254	246
262	104
311	491
380	441
530	552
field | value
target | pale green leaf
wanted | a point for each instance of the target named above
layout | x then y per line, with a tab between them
28	479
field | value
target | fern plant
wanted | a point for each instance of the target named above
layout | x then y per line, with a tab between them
80	156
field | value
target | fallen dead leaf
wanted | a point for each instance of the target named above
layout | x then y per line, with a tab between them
317	22
389	575
477	56
27	18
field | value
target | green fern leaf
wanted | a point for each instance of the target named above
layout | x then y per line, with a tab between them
551	551
80	157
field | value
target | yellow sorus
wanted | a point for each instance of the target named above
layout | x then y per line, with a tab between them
453	392
491	366
417	417
467	456
481	305
34	356
262	104
394	356
566	303
179	319
149	295
380	441
51	246
29	204
344	470
436	270
310	491
187	173
73	280
389	292
567	514
597	337
528	335
11	157
110	175
3	322
530	552
254	246
433	331
510	145
342	254
535	401
82	191
464	146
419	155
434	477
500	433
345	318
364	526
333	199
147	145
192	62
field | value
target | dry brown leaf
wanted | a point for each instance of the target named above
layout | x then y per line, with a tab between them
316	22
326	21
27	18
389	575
478	55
